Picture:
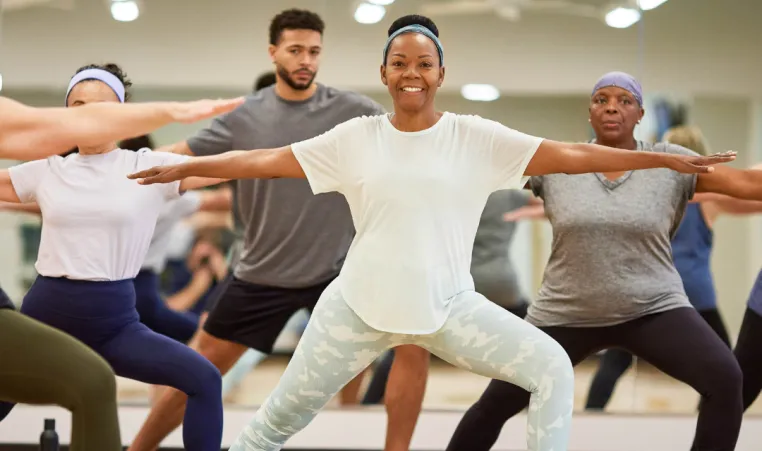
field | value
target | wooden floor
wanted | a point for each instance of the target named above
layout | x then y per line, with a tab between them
642	390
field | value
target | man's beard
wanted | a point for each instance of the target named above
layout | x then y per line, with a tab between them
285	76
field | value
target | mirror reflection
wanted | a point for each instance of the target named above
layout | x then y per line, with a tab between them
658	263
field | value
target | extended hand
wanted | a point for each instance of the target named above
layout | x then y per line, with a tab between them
189	112
158	174
700	164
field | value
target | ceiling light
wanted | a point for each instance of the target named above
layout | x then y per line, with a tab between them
124	10
389	2
622	17
646	5
367	13
480	92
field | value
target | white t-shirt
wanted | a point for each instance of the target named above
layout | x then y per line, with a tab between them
96	223
416	199
173	213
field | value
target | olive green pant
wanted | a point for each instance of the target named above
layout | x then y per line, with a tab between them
41	365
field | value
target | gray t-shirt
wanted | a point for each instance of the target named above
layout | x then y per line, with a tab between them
292	238
611	258
491	265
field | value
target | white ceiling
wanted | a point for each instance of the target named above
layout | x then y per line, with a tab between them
694	46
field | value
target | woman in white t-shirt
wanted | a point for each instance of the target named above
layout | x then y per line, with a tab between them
42	365
416	182
96	229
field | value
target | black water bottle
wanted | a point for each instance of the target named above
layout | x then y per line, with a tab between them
49	437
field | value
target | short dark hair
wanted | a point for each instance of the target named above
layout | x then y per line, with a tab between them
264	80
294	19
137	143
116	71
413	19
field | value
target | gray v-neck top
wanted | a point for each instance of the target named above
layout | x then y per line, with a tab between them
611	257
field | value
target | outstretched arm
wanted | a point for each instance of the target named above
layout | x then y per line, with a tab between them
739	183
194	183
220	199
729	205
31	207
553	157
526	212
237	164
28	133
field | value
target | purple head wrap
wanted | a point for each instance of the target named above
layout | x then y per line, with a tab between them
101	75
621	80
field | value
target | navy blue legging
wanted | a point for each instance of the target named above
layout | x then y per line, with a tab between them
102	315
155	313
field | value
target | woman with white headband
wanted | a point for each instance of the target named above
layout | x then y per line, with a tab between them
416	182
611	282
96	229
42	365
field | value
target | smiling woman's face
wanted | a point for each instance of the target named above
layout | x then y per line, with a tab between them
412	71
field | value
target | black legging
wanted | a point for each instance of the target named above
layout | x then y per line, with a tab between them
678	342
749	355
615	363
377	387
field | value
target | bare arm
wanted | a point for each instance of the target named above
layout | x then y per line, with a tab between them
190	294
536	211
180	148
192	183
28	133
553	157
31	208
739	183
237	164
729	205
211	220
534	200
218	200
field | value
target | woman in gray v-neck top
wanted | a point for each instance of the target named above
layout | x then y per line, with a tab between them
610	281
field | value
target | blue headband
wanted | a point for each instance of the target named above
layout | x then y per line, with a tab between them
621	80
415	28
110	79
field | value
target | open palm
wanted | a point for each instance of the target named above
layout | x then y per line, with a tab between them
189	112
158	174
689	164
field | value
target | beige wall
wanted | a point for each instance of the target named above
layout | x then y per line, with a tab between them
728	125
695	46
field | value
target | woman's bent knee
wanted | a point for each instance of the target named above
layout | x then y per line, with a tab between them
210	377
559	363
556	373
205	378
723	378
99	378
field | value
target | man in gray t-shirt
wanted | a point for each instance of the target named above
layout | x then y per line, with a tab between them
294	242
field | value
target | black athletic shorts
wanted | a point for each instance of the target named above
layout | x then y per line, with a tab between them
254	315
